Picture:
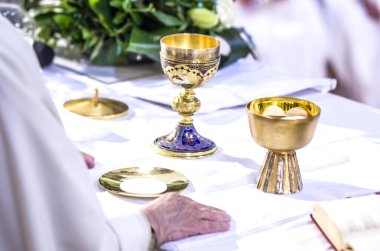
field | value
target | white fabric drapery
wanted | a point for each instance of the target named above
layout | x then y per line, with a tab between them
47	201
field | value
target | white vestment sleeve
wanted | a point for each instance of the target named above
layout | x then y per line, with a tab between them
46	198
135	235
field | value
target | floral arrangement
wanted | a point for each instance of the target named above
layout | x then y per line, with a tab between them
107	31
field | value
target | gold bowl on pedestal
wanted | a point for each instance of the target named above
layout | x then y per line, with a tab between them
282	125
189	61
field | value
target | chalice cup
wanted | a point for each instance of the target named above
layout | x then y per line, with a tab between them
282	125
189	61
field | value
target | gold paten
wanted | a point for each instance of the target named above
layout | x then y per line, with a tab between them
189	61
174	181
97	108
282	125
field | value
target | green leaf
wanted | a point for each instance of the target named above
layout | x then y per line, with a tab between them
183	27
107	55
148	44
169	4
102	10
186	3
116	3
239	47
124	29
86	33
119	18
120	46
90	39
167	19
143	43
97	49
127	5
64	21
44	34
156	35
70	7
44	19
136	18
143	9
181	14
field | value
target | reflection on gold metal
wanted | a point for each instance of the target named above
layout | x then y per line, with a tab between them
282	125
97	108
189	61
174	181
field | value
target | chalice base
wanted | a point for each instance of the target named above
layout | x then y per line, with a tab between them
280	173
184	142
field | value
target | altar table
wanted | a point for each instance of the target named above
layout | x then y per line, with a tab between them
341	161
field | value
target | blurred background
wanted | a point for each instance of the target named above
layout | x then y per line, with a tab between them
314	38
305	38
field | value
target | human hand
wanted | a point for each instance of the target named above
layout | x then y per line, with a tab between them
90	160
174	217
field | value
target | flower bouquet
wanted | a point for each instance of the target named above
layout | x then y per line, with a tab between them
107	32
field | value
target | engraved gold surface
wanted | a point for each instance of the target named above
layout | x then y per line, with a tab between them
189	61
111	181
97	108
282	125
187	73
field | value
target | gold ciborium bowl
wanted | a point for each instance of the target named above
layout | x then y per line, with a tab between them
282	125
189	61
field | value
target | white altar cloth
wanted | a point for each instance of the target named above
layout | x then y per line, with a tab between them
341	161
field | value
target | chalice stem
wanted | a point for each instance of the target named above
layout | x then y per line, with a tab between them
280	173
186	104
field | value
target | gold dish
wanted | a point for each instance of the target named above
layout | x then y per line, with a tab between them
174	181
97	108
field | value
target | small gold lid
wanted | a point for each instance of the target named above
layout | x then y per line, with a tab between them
97	108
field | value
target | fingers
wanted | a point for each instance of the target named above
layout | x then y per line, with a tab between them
174	216
90	160
213	214
212	220
207	226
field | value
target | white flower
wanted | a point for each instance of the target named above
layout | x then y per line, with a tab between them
226	12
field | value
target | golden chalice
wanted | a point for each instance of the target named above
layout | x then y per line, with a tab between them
282	125
189	61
